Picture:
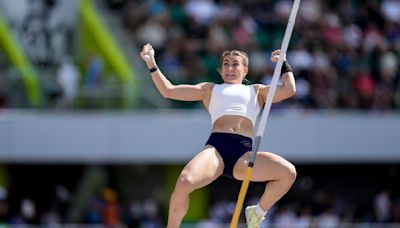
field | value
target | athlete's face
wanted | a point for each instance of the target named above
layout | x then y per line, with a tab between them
233	71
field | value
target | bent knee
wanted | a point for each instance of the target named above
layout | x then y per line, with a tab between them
291	173
185	183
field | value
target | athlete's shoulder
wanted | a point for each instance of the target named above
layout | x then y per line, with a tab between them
207	86
259	86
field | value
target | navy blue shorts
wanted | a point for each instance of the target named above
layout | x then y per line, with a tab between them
231	147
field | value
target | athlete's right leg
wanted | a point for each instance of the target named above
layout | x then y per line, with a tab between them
204	168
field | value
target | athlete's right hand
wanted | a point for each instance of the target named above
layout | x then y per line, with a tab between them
147	54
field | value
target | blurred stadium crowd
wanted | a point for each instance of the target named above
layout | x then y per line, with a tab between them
345	53
323	196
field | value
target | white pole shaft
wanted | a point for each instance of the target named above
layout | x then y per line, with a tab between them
285	43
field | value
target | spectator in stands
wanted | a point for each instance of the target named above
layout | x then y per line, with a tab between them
68	78
382	206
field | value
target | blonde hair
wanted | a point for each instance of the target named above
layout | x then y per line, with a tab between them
242	54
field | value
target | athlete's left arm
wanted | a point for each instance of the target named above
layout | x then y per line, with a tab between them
282	92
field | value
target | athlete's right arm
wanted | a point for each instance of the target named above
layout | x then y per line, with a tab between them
166	88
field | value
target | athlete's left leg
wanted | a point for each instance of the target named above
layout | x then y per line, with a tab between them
270	167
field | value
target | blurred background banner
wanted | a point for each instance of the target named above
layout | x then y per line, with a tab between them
144	136
85	138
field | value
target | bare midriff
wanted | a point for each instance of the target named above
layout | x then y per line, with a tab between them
234	124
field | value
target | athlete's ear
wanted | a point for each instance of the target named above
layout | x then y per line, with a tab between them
219	70
246	70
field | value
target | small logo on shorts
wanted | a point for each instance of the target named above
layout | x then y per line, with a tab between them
246	143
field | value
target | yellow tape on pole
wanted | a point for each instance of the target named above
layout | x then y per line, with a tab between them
241	197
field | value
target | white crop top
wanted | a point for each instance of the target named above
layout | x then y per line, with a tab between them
233	99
